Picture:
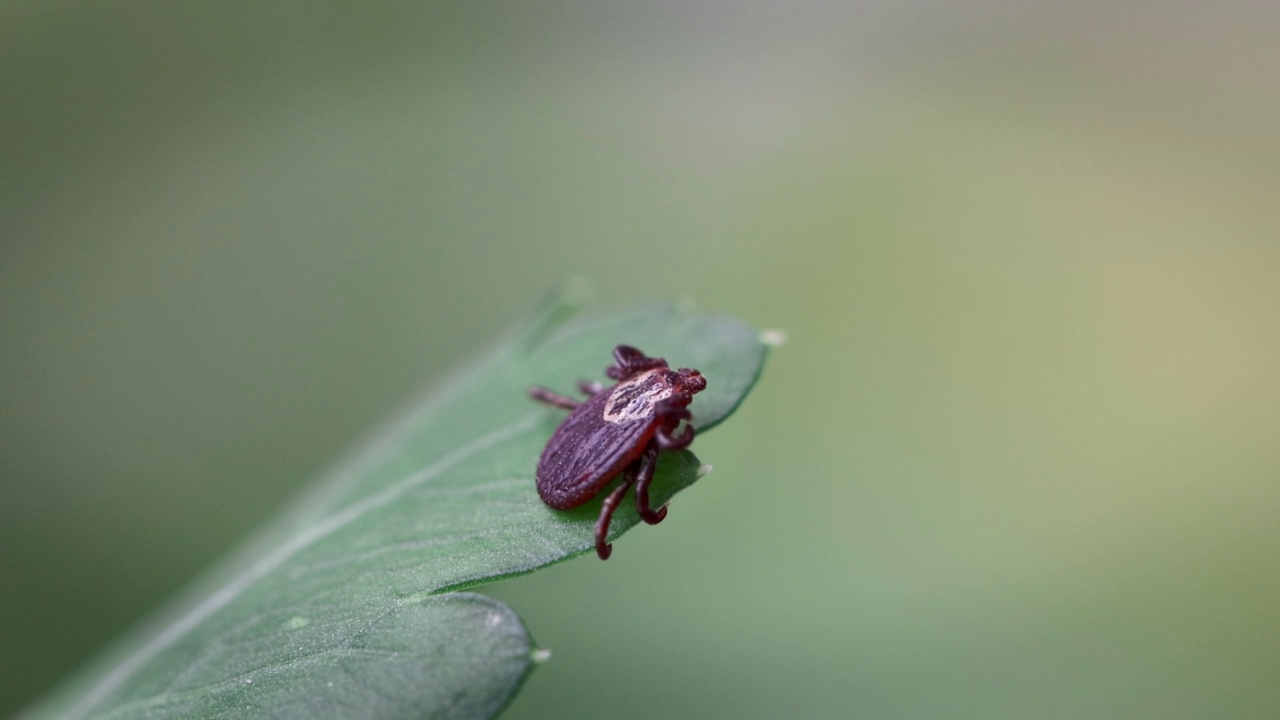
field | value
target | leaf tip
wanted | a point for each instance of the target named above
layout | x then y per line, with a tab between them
540	655
773	337
703	470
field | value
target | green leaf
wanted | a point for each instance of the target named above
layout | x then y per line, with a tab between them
347	607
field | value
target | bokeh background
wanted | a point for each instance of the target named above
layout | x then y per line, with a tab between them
1018	459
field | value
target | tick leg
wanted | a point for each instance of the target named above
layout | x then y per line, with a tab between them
631	361
671	418
679	442
644	475
590	388
553	399
604	549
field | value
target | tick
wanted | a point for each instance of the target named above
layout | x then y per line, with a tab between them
618	429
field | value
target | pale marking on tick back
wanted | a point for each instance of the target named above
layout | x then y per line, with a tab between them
626	405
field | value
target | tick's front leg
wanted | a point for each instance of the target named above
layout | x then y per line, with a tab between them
589	388
631	361
553	399
644	475
680	442
604	549
671	418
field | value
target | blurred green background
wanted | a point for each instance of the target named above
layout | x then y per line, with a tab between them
1018	459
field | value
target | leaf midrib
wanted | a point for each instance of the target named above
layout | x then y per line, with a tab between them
305	538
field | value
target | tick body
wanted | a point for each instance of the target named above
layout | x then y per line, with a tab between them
617	430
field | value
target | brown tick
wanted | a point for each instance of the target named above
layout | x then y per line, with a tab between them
619	429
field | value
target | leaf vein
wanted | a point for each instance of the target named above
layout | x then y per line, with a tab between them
321	529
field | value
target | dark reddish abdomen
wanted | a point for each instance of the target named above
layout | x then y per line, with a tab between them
586	452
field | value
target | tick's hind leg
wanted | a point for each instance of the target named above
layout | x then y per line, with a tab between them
604	549
644	475
553	399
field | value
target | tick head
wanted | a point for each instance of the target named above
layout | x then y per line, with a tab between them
690	381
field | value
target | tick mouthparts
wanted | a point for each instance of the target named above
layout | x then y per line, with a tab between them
692	380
